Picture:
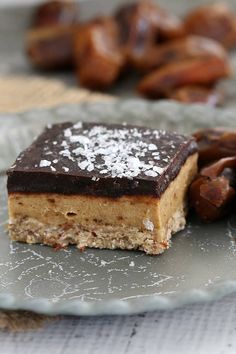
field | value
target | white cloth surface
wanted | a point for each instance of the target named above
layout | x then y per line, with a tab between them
6	3
18	2
196	329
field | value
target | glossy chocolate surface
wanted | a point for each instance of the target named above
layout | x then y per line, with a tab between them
100	160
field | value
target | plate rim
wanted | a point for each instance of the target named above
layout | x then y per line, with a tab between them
119	306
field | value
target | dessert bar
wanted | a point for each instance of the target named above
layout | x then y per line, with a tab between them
101	186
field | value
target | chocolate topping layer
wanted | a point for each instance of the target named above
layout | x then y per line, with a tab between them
100	160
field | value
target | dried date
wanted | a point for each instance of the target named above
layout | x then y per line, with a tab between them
190	47
213	191
213	144
197	94
144	24
201	71
53	13
98	56
50	48
216	21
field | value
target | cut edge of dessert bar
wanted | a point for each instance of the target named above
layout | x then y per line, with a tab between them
139	207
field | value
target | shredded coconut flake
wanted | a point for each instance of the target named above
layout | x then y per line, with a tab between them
150	173
115	152
79	139
77	125
67	133
148	224
152	147
44	163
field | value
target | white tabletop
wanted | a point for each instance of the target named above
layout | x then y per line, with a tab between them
18	2
195	329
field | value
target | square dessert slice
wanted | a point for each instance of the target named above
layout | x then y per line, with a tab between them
102	186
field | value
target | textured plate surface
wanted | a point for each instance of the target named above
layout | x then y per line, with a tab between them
200	266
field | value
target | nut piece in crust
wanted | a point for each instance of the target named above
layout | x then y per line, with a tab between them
197	94
213	191
97	54
50	48
215	21
214	144
190	47
56	12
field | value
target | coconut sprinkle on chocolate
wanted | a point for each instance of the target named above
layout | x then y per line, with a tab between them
101	159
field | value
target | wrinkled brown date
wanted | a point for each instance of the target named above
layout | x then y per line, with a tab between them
201	71
50	48
98	57
170	26
135	21
138	30
197	94
213	191
214	144
142	25
55	12
189	47
49	42
215	21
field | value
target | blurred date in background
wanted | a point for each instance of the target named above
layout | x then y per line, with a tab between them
155	49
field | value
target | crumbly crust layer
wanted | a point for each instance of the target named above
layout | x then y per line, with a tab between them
103	236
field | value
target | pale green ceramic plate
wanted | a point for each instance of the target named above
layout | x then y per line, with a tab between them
200	265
